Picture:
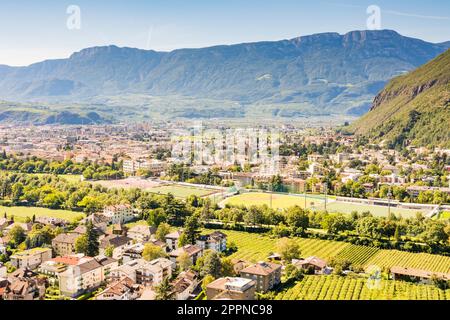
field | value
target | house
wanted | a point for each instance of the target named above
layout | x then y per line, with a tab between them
185	284
311	263
31	258
123	289
193	251
143	272
141	233
85	277
118	243
64	244
216	241
118	214
265	274
25	226
239	264
81	230
3	245
3	270
172	240
23	284
231	289
55	266
133	252
119	229
4	223
57	222
422	276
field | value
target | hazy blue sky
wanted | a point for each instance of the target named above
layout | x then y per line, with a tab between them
32	31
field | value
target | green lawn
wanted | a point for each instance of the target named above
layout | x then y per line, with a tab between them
378	211
279	201
182	192
20	213
444	215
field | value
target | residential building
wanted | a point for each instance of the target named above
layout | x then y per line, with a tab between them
31	258
117	243
142	272
311	263
193	251
231	289
119	214
216	241
140	233
123	289
172	240
265	274
64	244
132	252
422	276
23	284
3	270
185	284
85	277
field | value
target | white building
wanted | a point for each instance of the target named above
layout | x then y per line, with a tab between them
119	214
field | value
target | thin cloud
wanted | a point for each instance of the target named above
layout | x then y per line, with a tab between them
413	15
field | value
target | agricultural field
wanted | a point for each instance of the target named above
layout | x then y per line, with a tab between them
279	201
378	211
423	261
358	255
356	288
21	213
257	247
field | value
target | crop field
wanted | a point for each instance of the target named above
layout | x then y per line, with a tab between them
279	201
257	247
182	192
423	261
378	211
356	288
21	213
358	255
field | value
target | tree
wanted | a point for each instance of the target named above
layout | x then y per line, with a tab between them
92	240
81	244
109	251
152	252
288	249
191	229
17	191
162	231
212	264
297	219
335	224
434	232
227	268
207	280
17	234
184	261
164	290
254	216
156	217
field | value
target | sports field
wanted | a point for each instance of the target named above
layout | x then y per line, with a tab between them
276	201
181	192
21	213
378	211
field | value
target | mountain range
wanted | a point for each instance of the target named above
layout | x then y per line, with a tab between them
321	74
412	109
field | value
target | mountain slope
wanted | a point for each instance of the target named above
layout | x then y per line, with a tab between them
412	108
322	73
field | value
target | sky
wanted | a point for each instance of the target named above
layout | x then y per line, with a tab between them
32	31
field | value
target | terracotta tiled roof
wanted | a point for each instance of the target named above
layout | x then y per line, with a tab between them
262	268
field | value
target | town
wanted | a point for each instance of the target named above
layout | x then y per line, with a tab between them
114	212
